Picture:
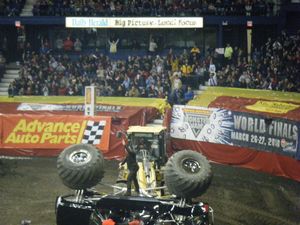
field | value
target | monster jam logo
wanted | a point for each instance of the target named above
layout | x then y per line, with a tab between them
196	122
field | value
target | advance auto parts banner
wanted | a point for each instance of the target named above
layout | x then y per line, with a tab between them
235	128
54	132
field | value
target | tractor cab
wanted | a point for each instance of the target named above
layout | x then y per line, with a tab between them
148	142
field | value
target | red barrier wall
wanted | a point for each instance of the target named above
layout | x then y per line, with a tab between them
267	162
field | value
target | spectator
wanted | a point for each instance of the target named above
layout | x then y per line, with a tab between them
100	73
135	44
212	67
195	52
152	46
179	96
212	81
186	69
152	92
11	90
2	65
68	44
139	81
134	92
228	53
60	68
175	64
150	81
175	82
245	80
44	48
45	90
201	73
27	50
113	46
188	95
59	44
277	47
126	83
4	47
77	45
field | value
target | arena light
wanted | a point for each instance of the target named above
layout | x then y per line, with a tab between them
134	22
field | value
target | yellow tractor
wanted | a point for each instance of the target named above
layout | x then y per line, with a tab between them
186	174
151	159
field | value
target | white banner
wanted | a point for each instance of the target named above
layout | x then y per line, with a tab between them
195	123
65	107
134	22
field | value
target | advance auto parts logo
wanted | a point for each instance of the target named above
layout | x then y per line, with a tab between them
196	118
37	132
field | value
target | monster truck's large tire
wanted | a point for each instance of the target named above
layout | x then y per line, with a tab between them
80	166
187	174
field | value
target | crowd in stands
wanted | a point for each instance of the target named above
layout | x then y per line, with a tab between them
11	7
148	76
274	66
2	64
154	8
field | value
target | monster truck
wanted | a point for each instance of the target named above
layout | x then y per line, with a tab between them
184	176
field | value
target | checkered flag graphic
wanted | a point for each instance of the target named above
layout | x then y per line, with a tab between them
93	132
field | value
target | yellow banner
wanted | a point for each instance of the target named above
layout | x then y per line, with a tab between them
197	111
212	93
272	107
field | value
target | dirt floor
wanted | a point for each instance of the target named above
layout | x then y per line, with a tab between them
28	189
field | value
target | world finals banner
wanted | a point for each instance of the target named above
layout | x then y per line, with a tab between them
236	128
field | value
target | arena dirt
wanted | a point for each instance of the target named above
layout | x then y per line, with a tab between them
28	189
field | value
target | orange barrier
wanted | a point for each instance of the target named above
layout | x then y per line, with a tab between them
25	131
41	129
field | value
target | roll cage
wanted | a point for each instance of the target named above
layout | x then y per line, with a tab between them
85	206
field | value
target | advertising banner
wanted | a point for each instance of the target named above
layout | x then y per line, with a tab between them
66	107
134	22
235	128
272	107
54	131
